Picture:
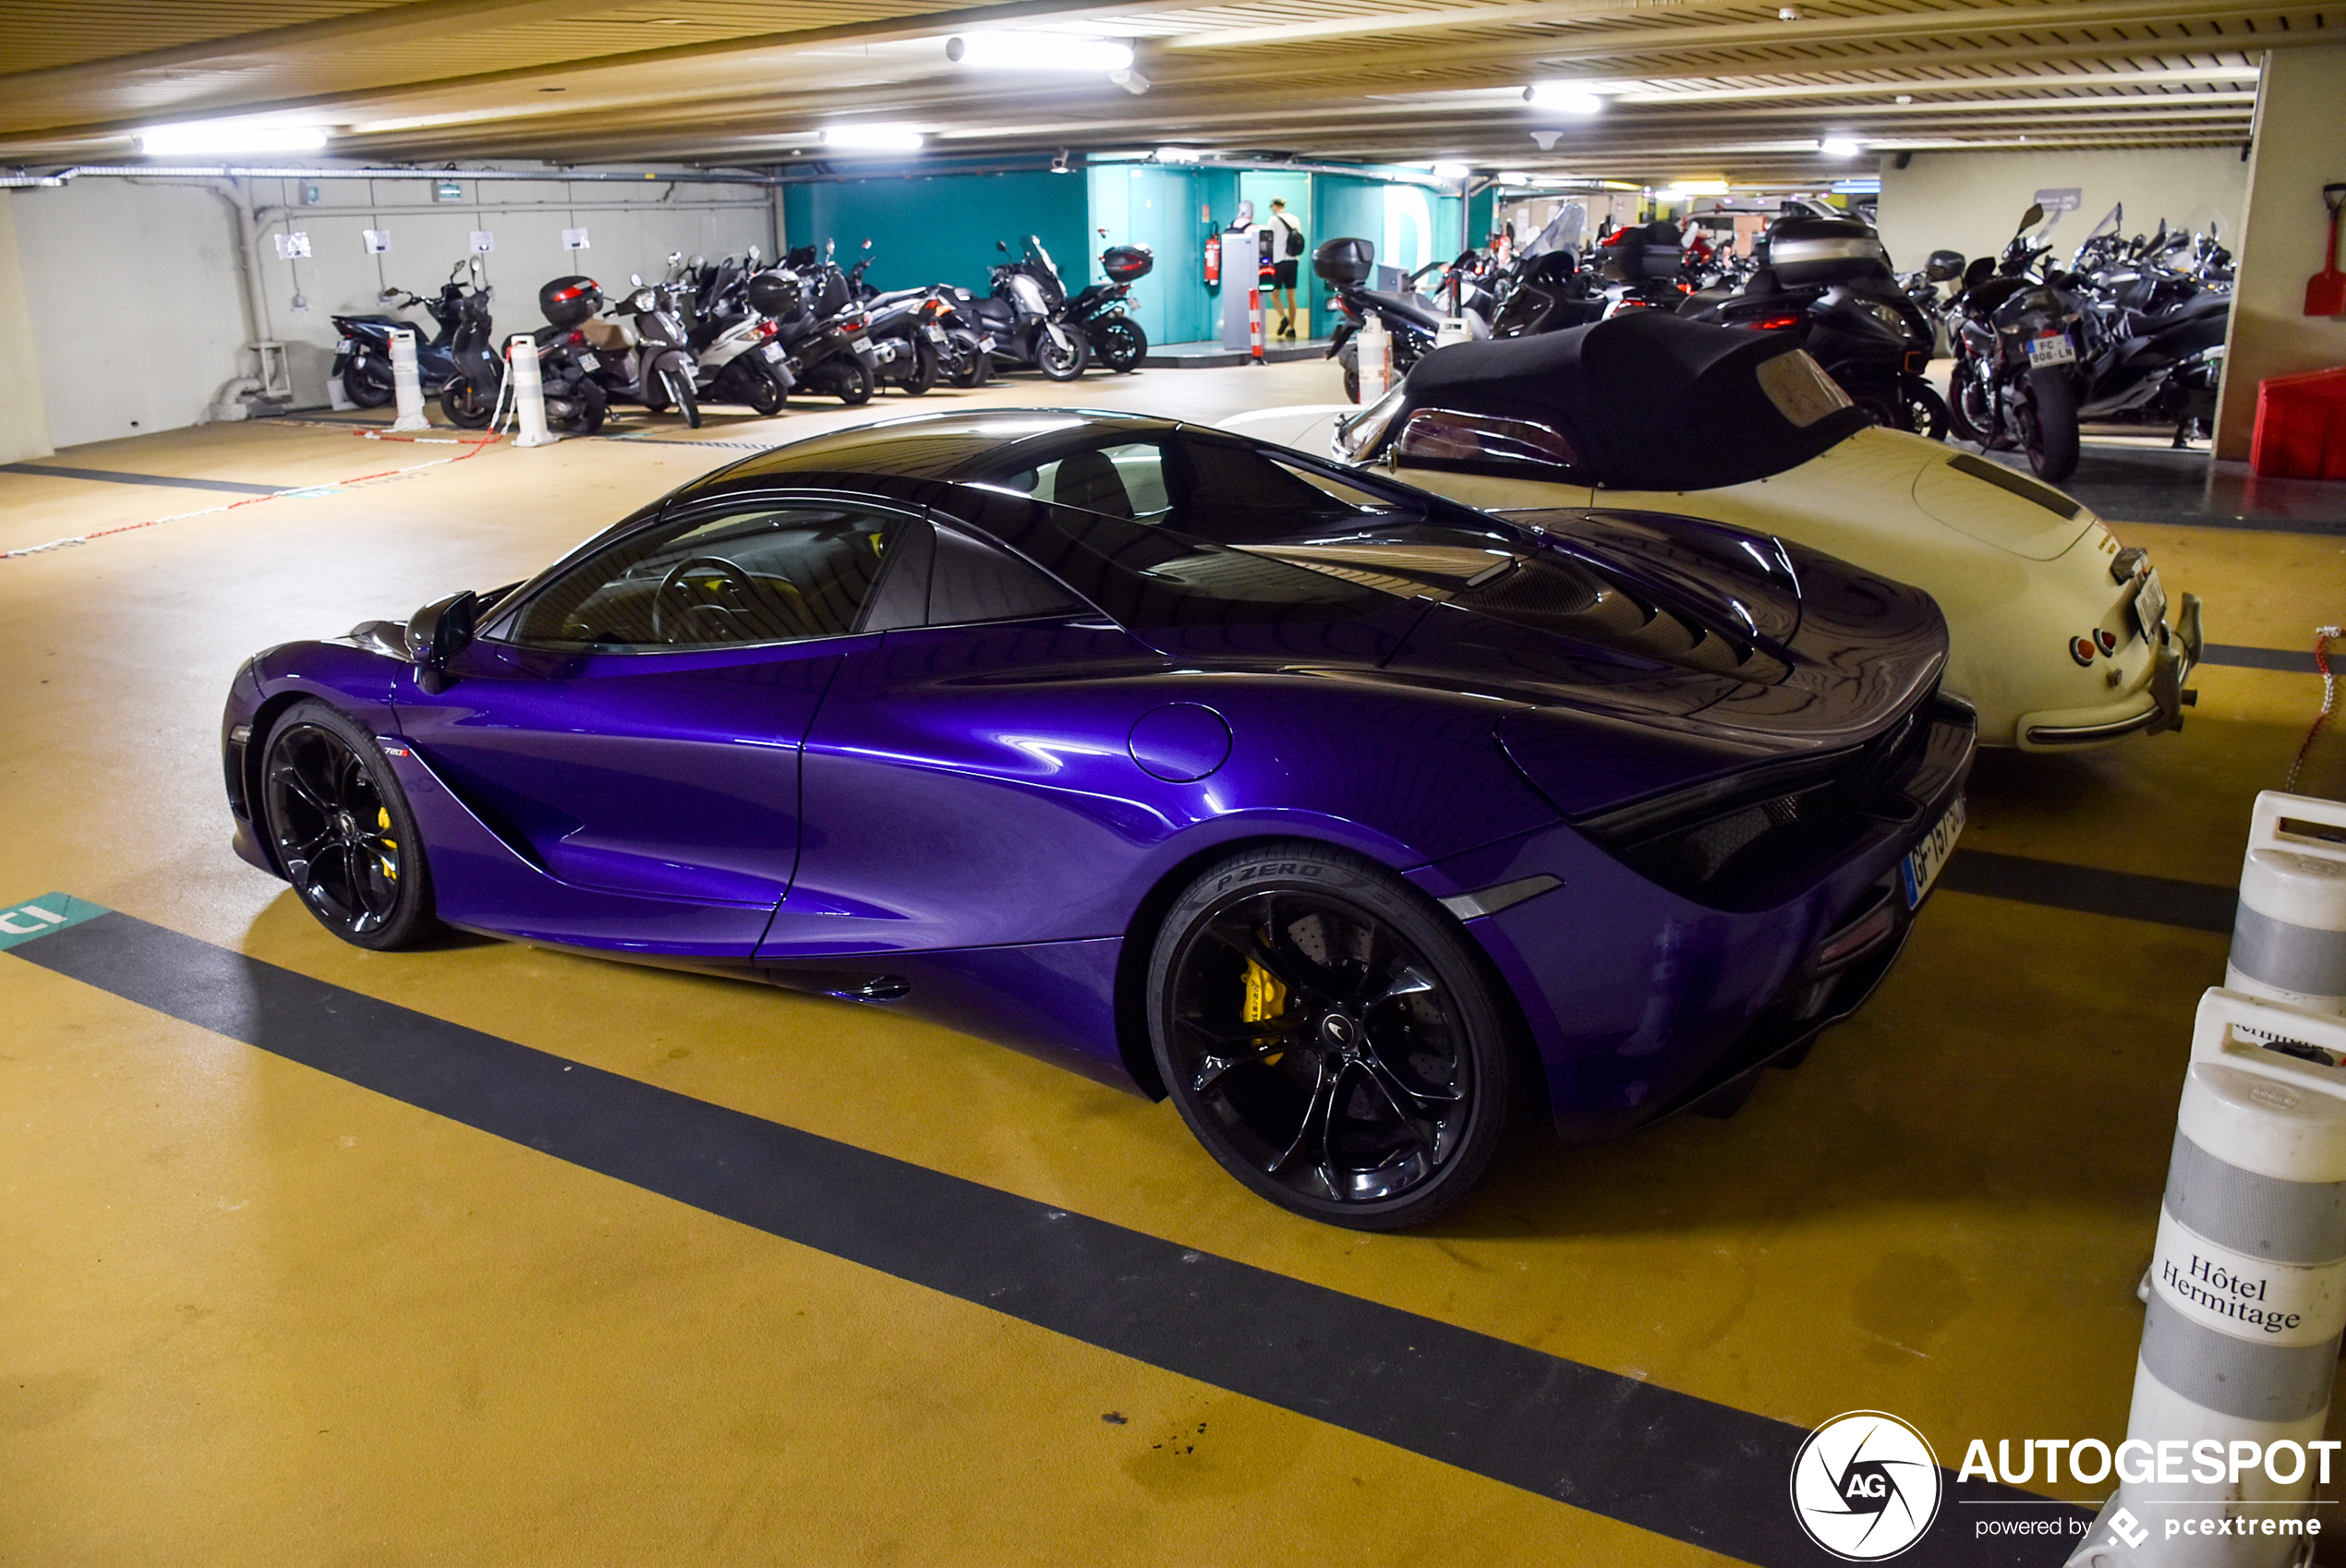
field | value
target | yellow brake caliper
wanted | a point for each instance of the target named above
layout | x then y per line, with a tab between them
1265	999
382	821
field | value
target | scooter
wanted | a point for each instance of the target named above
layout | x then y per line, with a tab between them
362	356
1345	265
1116	339
824	350
1022	316
731	340
475	389
645	356
904	354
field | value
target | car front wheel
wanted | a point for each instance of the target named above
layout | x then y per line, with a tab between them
340	828
1327	1033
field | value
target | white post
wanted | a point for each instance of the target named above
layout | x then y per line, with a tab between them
529	393
1453	330
2288	936
1375	357
405	385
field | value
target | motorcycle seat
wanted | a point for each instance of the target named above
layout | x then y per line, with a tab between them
1408	308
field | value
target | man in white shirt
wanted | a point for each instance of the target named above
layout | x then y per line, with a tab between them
1287	251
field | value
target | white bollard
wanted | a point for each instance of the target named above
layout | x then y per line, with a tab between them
405	385
1374	357
2248	1296
2289	937
529	392
1453	330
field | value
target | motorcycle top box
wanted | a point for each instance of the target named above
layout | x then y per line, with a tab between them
774	294
1810	252
1344	261
1650	251
1125	263
567	302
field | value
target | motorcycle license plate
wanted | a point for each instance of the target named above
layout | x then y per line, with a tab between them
2150	607
934	333
860	343
2053	348
588	362
772	351
985	343
342	346
1921	868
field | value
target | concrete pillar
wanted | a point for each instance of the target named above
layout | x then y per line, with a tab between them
24	414
2284	235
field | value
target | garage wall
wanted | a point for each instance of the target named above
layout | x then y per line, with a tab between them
24	421
1969	201
1165	209
163	256
941	228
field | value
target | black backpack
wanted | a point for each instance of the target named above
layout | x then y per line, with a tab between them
1294	235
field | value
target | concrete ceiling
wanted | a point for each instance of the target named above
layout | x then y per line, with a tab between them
1690	87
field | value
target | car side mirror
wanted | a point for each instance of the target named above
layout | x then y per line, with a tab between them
436	633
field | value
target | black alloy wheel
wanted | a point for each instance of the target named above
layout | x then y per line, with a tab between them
761	393
923	373
1921	409
678	384
2049	425
340	831
848	378
1118	342
366	381
467	407
584	406
1061	358
1328	1035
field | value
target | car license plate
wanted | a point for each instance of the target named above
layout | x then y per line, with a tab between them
2151	606
772	351
2053	348
1922	867
586	361
985	343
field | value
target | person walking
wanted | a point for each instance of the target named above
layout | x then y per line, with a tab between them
1287	237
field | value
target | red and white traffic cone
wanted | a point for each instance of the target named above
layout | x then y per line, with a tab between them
1254	324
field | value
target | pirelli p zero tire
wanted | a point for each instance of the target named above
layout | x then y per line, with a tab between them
339	828
1328	1035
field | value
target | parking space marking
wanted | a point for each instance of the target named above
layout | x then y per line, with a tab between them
2127	894
2285	659
1666	1462
111	476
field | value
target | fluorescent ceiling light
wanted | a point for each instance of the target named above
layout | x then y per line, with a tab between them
873	138
1176	155
1694	188
1450	171
1565	96
1871	186
1514	176
1839	147
1039	51
229	135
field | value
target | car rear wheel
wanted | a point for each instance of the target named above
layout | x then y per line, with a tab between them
1327	1033
340	828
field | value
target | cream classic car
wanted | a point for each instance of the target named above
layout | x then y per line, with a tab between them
2059	637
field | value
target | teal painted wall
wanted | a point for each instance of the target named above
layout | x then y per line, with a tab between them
1258	186
1165	209
941	229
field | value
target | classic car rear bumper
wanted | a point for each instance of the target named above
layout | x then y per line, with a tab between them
2157	705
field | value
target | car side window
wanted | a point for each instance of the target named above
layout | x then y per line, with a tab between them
1126	481
720	576
970	582
1200	483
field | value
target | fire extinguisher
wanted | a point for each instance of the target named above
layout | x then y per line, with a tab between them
1213	256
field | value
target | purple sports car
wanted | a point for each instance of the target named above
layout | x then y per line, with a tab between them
1354	819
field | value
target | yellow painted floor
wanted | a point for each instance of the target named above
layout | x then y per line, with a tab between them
252	1314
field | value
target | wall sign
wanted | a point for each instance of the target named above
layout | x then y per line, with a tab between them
2063	200
483	242
376	240
290	246
574	239
448	191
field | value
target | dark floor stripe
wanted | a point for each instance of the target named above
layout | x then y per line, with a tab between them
108	476
2196	906
2267	659
1663	1461
2265	523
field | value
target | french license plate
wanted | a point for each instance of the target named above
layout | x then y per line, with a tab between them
934	333
586	361
1921	867
2151	606
772	351
2053	348
860	343
986	343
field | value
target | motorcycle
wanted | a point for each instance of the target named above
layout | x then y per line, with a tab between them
1022	316
477	388
1828	280
908	350
1116	339
2016	376
2153	331
730	338
362	355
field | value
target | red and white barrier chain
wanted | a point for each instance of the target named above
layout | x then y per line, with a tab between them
2323	637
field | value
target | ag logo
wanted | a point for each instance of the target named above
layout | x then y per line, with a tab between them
1865	1486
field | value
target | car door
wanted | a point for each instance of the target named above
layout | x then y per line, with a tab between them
634	728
